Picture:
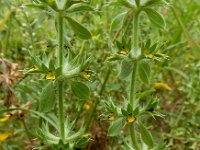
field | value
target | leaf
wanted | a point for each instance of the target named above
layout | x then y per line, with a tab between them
80	7
146	136
155	17
118	21
137	2
79	30
126	68
146	93
39	6
36	113
151	3
126	4
115	127
144	71
175	70
7	16
80	90
47	98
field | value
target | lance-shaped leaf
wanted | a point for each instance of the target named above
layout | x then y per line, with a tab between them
151	3
70	3
144	71
137	2
115	127
126	3
118	21
38	6
47	98
146	136
80	7
80	90
50	3
126	68
155	17
79	30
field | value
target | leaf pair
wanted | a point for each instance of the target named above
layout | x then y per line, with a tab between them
144	70
116	126
48	96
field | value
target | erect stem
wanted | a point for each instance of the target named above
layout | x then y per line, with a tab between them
132	102
134	75
60	83
60	39
136	31
133	85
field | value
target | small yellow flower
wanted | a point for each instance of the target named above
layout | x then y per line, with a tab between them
50	76
87	135
4	136
5	118
35	68
148	55
162	86
131	118
88	105
111	57
85	75
111	117
123	52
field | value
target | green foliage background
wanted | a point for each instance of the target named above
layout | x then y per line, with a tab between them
23	28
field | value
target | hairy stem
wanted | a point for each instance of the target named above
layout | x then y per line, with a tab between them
133	85
136	31
60	83
134	138
133	79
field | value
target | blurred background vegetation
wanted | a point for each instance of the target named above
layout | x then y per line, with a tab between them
23	29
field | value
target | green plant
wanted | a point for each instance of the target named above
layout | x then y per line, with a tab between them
135	60
62	73
105	93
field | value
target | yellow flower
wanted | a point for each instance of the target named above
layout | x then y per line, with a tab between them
131	118
87	135
50	76
85	75
148	55
5	118
88	105
111	117
111	57
35	68
162	86
123	52
4	136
